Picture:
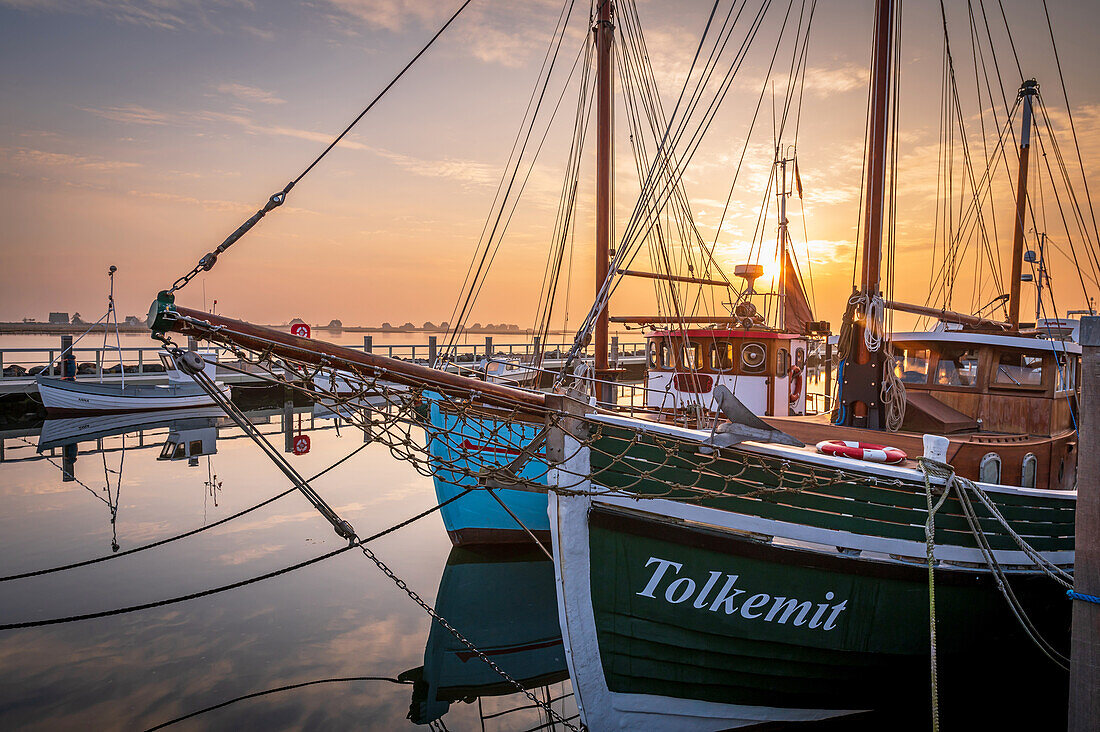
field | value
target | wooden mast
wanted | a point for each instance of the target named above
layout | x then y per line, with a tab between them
1027	90
605	34
862	406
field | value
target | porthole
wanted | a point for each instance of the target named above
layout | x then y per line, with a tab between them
754	357
1028	470
989	471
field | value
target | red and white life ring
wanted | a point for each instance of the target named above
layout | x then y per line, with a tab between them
795	385
861	451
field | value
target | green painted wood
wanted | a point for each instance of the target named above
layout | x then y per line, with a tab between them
821	511
663	462
874	654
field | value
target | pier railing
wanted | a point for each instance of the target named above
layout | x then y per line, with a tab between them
97	361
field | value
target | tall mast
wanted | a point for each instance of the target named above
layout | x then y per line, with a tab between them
781	319
605	34
876	158
1029	89
859	401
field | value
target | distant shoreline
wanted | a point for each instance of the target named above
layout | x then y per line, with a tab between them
59	329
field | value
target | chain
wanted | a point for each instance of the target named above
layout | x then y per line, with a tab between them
463	640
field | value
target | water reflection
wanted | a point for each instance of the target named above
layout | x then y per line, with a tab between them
503	600
339	618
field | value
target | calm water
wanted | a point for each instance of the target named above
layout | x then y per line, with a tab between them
339	618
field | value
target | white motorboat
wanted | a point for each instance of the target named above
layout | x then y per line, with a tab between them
64	396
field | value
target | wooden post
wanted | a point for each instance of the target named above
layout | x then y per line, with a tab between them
828	373
288	420
488	347
368	344
1084	664
68	360
433	351
614	352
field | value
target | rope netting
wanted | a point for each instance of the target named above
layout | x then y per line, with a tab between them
473	439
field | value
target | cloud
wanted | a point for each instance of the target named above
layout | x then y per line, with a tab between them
30	157
467	171
129	114
249	93
259	32
158	14
391	15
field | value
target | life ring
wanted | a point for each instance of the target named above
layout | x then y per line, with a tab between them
795	385
861	451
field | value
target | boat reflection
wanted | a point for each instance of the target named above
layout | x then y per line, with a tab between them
502	599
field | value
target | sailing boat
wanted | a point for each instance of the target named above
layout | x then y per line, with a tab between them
713	577
691	357
67	396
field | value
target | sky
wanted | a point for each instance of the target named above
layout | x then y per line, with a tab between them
140	133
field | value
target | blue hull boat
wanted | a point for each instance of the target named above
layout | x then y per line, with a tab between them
460	446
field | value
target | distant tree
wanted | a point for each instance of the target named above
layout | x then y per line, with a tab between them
133	320
334	323
513	326
444	325
475	326
429	325
408	326
77	320
297	321
387	326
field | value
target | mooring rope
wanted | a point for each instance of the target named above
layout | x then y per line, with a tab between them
276	690
177	537
242	583
930	548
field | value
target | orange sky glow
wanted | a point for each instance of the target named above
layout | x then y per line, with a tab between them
141	133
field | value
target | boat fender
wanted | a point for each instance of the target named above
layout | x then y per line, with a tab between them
861	451
796	385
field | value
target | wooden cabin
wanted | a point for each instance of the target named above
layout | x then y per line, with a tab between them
1008	404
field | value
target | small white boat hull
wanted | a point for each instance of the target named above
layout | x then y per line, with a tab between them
70	397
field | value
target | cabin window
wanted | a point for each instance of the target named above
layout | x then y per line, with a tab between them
754	358
782	362
957	367
196	447
651	355
167	362
1029	469
1067	374
664	353
689	356
1018	369
911	365
721	356
989	471
166	451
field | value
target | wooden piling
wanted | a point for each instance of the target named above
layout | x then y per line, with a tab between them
433	350
1084	667
368	344
288	420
